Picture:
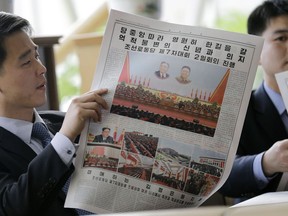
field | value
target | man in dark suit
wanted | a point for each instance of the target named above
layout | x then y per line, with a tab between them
104	137
163	69
31	176
262	155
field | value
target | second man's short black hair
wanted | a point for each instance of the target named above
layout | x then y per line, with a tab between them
261	16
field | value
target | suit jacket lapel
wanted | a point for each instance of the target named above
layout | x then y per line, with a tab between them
267	115
14	144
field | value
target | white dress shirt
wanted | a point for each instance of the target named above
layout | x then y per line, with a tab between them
23	129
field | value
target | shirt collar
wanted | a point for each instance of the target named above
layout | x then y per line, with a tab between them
276	99
20	128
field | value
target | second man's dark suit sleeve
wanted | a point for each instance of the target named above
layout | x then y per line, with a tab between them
241	174
262	128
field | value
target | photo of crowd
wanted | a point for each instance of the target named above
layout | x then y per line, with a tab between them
101	157
185	108
160	161
171	164
135	165
184	101
207	168
139	143
168	174
200	183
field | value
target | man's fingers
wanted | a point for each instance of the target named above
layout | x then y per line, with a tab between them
93	96
99	99
92	114
98	91
93	110
101	91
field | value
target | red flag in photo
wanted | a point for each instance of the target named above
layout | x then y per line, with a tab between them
218	95
121	137
125	74
115	134
123	154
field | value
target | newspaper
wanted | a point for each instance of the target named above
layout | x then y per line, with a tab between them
173	138
282	81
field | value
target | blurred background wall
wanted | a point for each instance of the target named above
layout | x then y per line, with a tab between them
66	18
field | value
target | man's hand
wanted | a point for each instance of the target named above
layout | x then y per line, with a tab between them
82	108
275	159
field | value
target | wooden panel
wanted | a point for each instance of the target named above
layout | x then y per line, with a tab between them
87	49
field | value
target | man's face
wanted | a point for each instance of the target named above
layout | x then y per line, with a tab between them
185	73
105	133
22	78
274	56
164	68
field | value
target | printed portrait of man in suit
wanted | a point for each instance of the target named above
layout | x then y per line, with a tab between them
163	69
104	137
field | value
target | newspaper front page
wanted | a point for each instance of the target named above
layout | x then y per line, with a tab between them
177	101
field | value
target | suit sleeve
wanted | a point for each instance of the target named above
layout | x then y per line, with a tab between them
241	174
262	128
36	188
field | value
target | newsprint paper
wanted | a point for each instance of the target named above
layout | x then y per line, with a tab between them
177	101
282	81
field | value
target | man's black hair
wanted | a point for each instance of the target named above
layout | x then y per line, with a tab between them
9	24
261	16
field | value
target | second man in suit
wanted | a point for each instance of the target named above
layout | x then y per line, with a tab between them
262	155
